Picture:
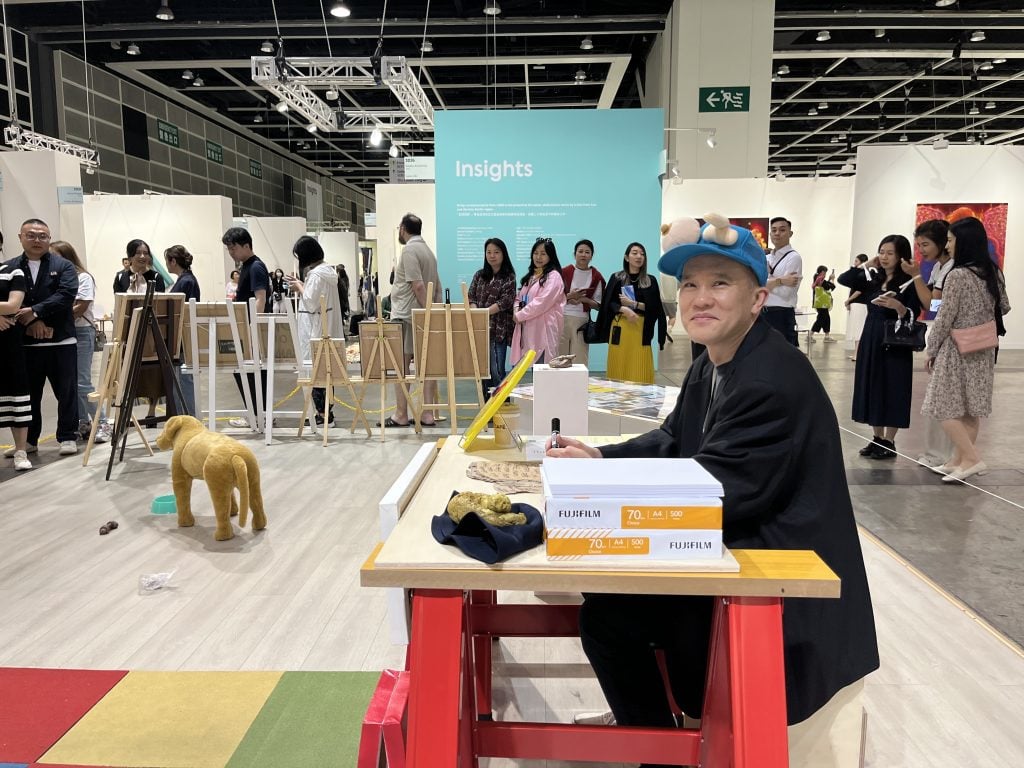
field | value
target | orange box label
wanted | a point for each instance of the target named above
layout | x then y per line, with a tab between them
599	545
635	516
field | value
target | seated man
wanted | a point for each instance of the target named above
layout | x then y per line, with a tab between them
753	412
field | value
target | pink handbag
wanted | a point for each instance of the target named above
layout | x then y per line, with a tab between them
977	338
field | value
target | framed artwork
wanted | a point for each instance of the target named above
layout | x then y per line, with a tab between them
992	215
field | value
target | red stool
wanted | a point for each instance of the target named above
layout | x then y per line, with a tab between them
384	726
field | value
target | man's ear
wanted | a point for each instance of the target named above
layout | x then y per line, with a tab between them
760	297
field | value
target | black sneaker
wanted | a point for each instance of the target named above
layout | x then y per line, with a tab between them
320	420
886	449
869	449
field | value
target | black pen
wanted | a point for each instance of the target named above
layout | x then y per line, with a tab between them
556	427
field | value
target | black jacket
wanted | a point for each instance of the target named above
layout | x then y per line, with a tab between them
123	281
51	296
772	440
188	285
653	314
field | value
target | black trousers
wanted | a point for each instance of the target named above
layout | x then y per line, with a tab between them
823	322
782	319
319	395
620	635
252	388
59	366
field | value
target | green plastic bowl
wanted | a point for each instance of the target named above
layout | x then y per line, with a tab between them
164	505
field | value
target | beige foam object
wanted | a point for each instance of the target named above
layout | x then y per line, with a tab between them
718	230
508	477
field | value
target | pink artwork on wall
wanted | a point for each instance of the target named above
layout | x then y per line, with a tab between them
992	215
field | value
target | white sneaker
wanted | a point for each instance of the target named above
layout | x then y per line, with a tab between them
68	448
594	718
829	340
102	433
21	461
238	422
9	453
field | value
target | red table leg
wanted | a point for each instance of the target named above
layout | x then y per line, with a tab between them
744	724
435	664
482	657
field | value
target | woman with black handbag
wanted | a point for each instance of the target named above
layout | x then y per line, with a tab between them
883	380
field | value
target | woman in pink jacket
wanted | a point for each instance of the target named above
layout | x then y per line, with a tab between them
538	312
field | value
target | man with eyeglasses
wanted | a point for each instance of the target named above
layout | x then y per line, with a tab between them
51	346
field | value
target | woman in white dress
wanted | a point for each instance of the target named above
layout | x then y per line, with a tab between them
857	311
316	281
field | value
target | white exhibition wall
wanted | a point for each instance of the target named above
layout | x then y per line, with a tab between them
29	189
892	180
196	221
272	240
343	248
393	202
821	210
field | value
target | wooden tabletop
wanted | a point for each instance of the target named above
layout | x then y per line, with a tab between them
412	558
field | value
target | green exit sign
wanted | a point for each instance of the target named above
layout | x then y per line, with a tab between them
167	133
736	99
214	152
255	169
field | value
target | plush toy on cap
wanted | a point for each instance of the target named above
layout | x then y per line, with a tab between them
717	238
679	232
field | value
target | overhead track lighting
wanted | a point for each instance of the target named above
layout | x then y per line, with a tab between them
266	47
580	75
985	66
187	74
312	128
812	112
492	8
847	168
587	44
974	109
880	32
940	143
393	152
332	94
990	105
281	106
164	12
340	11
427	47
824	36
198	82
258	119
999	60
834	140
822	105
944	3
977	36
376	137
133	50
903	138
782	70
779	175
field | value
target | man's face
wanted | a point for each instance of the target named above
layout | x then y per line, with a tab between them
718	300
403	236
780	234
35	240
125	262
239	253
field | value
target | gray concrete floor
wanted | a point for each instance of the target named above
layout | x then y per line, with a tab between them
969	541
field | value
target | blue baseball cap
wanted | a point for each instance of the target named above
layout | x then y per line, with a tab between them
746	251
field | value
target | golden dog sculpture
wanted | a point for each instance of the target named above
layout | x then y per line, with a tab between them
223	463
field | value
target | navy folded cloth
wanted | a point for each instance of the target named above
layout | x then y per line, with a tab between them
490	543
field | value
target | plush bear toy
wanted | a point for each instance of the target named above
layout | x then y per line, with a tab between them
224	463
682	231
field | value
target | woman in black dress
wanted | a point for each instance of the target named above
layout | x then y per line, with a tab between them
884	377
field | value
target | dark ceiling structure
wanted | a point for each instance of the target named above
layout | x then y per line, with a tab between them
844	74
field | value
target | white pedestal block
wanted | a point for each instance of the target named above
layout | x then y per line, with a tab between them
560	393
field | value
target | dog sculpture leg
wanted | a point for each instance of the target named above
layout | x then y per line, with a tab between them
222	509
181	482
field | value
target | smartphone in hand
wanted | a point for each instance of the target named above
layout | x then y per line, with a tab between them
886	295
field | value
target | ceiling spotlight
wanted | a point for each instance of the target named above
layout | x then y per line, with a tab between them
985	66
281	106
880	32
340	11
187	74
427	47
974	109
133	50
198	82
977	36
711	141
812	112
258	119
266	47
824	36
312	128
586	44
332	94
115	44
847	168
834	140
164	12
944	3
492	8
376	137
903	138
580	75
941	143
842	136
990	105
393	152
999	60
970	138
822	105
779	175
782	70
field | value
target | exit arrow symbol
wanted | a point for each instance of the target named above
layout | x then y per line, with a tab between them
712	99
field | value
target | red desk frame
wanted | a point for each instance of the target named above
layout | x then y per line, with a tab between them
743	723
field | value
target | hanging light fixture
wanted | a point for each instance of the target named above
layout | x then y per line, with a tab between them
822	105
187	74
985	66
266	47
977	36
974	109
944	3
999	60
880	32
812	112
393	152
782	70
332	94
376	137
340	11
586	44
258	119
427	47
133	50
198	82
312	128
990	105
824	36
580	76
834	140
903	138
281	106
492	8
164	12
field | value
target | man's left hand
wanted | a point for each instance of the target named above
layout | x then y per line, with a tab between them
25	315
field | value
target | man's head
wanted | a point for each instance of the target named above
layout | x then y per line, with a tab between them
411	226
35	238
125	262
238	242
781	230
719	299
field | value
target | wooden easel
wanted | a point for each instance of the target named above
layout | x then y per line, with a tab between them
327	361
143	324
383	355
423	360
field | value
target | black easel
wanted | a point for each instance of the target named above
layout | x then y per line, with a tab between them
150	326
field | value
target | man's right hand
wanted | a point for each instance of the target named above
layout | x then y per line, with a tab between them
792	281
39	331
571	448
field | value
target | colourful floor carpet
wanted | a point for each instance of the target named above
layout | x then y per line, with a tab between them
182	719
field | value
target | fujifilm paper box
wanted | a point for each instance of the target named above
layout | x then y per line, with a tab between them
619	546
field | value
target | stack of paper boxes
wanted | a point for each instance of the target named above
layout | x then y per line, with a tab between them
617	510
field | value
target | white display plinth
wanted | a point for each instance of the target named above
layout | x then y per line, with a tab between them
560	393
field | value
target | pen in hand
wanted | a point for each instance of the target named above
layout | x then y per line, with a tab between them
556	428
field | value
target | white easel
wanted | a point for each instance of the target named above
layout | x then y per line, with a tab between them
212	315
271	320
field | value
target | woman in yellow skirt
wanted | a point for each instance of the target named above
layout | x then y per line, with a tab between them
634	301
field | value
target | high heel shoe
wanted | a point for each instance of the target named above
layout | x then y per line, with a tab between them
959	475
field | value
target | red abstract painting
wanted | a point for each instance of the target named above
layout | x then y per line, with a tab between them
992	215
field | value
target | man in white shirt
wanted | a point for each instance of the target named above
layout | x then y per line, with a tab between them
785	270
